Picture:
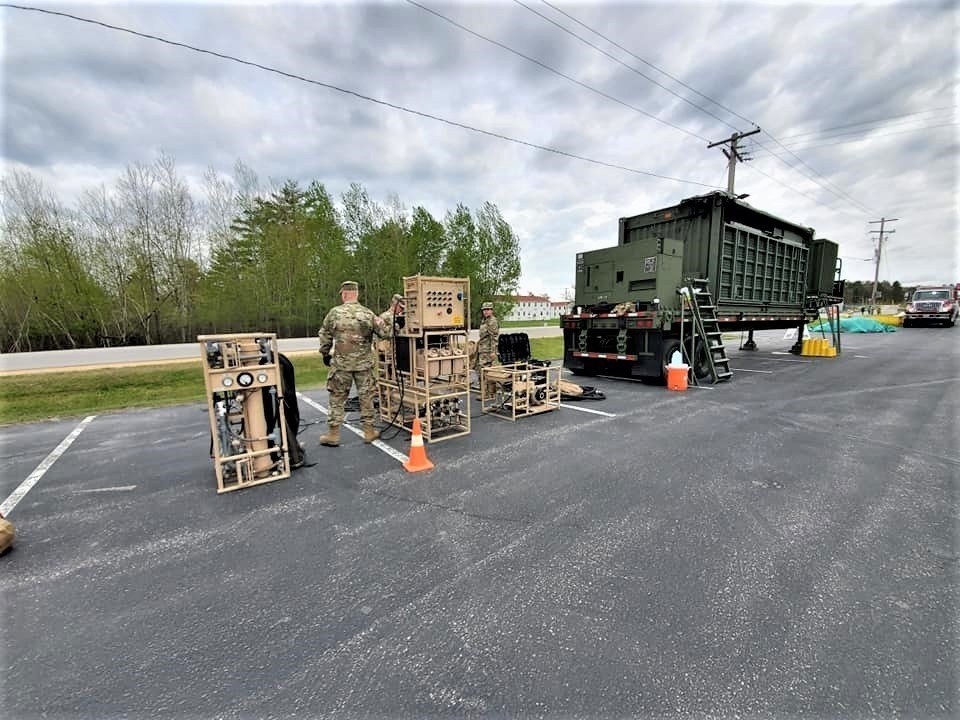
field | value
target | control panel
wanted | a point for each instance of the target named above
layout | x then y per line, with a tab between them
435	303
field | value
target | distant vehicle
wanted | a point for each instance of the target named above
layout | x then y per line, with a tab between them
932	304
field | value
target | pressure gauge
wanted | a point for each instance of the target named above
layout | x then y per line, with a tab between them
261	377
245	379
226	381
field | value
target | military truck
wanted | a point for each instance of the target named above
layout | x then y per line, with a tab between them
680	276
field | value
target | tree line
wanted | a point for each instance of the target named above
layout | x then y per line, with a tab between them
148	261
857	292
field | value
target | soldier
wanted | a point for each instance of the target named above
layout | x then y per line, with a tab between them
393	315
487	342
346	340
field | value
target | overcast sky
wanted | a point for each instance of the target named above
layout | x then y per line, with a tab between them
865	95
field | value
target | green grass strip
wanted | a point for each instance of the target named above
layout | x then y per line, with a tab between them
57	394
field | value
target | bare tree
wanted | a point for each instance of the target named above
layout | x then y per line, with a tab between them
105	235
48	293
161	231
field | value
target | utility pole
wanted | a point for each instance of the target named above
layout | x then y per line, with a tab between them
733	156
879	250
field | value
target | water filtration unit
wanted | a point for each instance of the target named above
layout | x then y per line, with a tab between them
424	370
254	418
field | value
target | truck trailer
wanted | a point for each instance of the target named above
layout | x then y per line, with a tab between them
680	276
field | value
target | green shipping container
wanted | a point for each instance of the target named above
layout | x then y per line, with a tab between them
754	261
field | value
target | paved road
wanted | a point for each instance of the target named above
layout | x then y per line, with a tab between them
60	359
780	546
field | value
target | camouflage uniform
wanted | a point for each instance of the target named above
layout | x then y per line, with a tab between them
390	317
487	343
391	322
347	335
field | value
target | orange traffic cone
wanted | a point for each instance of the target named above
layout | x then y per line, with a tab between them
418	456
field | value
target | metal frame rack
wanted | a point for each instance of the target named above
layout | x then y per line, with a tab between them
424	371
433	386
245	397
519	389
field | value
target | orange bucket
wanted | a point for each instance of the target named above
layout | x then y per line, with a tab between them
677	377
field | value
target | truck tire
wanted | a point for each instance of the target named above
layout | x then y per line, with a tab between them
701	363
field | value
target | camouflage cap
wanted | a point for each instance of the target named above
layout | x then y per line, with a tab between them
348	285
398	299
487	306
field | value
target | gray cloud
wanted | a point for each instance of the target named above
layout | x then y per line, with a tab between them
81	103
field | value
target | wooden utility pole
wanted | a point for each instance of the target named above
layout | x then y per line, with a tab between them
879	250
733	156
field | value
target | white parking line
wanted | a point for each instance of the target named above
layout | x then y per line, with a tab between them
586	410
379	444
17	495
115	488
768	372
775	352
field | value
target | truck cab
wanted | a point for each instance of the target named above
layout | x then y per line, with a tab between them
932	304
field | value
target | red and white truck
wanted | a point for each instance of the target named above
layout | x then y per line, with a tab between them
933	304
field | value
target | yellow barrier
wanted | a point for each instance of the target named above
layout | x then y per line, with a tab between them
896	320
817	347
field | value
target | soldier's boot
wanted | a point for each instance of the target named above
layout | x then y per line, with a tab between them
370	433
331	438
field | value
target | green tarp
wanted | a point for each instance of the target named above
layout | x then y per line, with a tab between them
854	325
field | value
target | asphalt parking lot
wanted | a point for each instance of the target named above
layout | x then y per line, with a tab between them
781	545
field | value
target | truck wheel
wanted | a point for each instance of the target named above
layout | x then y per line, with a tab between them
701	363
906	323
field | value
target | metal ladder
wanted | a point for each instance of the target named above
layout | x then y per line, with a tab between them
707	327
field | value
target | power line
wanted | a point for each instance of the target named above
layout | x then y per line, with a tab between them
649	64
835	190
838	192
618	60
869	137
554	70
798	192
823	131
294	76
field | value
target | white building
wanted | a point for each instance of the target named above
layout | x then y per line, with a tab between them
534	308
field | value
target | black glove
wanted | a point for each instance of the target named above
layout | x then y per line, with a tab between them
399	321
326	359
